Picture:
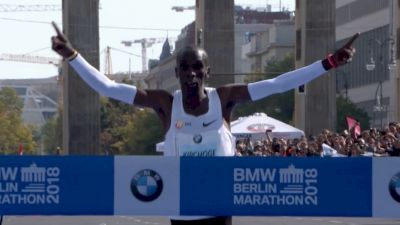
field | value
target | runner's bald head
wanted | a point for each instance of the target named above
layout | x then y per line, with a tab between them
190	51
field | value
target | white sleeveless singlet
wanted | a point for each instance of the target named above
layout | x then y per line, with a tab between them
204	135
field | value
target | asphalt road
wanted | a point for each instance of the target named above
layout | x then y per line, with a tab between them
138	220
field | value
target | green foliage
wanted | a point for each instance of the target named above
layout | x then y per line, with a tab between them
13	132
142	133
36	136
52	134
279	106
125	129
346	108
128	130
113	115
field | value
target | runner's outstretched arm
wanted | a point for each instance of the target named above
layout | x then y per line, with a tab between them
99	82
287	81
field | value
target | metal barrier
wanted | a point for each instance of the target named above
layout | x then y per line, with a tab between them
156	185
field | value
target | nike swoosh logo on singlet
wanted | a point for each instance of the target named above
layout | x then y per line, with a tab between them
209	123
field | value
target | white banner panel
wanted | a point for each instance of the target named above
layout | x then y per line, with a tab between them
146	185
386	187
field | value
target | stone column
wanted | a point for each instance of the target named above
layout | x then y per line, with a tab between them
396	55
214	33
315	108
81	113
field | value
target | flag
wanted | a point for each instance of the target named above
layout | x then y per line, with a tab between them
353	126
20	149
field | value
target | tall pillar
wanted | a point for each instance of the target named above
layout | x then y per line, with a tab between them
315	108
214	33
396	55
81	117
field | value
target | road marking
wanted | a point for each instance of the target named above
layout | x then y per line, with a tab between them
335	221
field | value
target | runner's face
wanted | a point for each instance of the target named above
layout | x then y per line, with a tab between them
192	72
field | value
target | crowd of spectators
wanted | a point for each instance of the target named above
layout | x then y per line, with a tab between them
372	142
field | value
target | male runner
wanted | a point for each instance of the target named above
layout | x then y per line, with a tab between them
197	118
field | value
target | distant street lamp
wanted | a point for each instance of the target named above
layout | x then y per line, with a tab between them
342	82
371	65
379	107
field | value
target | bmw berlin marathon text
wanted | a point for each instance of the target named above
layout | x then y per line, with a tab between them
29	185
272	186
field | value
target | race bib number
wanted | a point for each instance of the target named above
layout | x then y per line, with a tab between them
205	144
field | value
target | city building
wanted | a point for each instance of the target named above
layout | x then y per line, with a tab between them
247	23
136	77
163	76
274	43
371	80
39	96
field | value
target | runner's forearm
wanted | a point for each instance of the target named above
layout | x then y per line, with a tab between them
286	81
101	83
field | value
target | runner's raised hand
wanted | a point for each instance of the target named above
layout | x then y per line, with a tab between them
61	45
344	54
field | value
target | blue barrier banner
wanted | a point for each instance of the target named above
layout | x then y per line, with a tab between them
157	185
36	185
386	187
276	186
146	185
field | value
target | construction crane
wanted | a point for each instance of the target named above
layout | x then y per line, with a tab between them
36	59
31	59
182	8
145	43
108	71
26	58
108	62
28	8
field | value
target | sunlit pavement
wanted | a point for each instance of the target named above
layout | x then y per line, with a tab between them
139	220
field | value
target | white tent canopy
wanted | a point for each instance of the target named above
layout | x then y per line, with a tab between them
254	127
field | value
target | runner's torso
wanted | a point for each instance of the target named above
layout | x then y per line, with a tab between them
204	135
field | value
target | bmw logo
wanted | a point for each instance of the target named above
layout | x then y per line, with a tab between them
197	138
394	187
146	185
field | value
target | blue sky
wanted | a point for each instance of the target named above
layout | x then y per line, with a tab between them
30	32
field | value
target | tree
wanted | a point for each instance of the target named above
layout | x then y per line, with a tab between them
51	134
113	116
142	132
13	132
127	129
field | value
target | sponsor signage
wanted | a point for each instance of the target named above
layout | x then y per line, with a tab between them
386	186
276	186
170	186
48	185
146	185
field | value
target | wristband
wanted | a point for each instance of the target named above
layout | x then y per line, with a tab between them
73	56
331	60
